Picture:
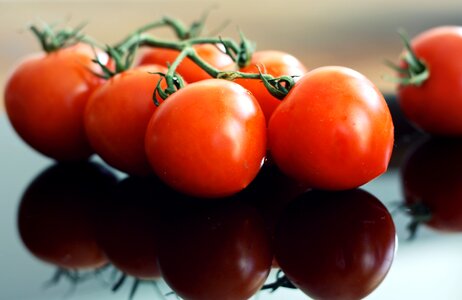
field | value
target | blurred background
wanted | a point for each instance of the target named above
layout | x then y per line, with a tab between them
358	33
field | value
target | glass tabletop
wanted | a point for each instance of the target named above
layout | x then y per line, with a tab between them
86	231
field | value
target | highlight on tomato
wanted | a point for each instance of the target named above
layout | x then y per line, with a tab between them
45	97
335	245
332	131
275	63
208	139
214	250
432	185
430	89
191	72
117	115
55	217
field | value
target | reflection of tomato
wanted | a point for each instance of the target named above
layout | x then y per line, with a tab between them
45	98
335	245
207	139
332	131
127	232
275	63
214	252
432	183
117	116
271	192
436	104
56	211
188	69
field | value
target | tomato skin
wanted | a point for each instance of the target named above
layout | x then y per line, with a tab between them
55	217
117	116
435	106
335	245
432	177
214	250
332	131
45	97
275	63
207	139
187	68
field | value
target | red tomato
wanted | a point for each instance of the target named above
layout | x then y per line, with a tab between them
55	218
436	105
117	116
45	98
332	131
209	252
188	69
207	139
128	231
432	183
275	63
335	245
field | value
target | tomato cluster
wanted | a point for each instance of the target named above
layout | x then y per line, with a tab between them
205	115
333	129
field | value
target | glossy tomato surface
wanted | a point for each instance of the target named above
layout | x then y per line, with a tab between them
332	131
436	105
117	116
275	63
432	183
55	218
207	139
45	98
214	250
335	245
188	69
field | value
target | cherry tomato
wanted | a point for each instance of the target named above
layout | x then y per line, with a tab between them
432	183
275	63
335	245
436	105
117	116
55	218
214	250
332	131
207	139
45	97
187	68
128	231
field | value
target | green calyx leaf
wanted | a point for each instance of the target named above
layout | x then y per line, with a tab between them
246	50
52	39
416	71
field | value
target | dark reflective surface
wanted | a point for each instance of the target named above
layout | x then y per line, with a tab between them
102	225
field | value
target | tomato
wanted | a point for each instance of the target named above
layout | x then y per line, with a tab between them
207	139
188	69
128	231
45	97
275	63
432	184
335	245
56	212
117	116
216	250
436	105
332	131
